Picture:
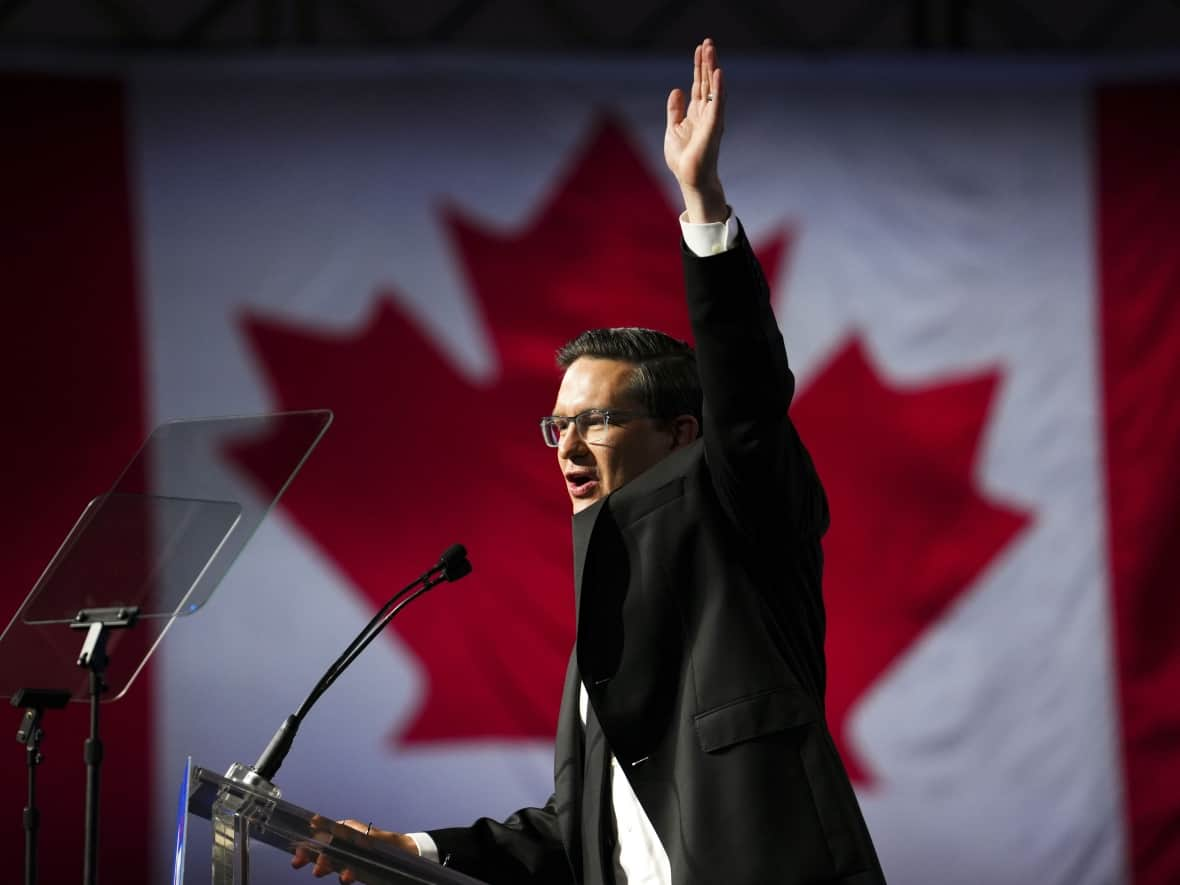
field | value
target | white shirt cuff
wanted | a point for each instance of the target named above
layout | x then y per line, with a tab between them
704	240
426	846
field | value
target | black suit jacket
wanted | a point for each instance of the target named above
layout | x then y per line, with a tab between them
700	640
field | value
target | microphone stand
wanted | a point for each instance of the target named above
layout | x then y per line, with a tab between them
36	702
97	622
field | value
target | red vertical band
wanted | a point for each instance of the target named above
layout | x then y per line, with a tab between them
74	408
1138	134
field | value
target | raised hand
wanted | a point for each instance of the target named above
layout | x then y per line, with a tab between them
692	140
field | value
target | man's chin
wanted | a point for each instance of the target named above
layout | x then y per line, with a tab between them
583	501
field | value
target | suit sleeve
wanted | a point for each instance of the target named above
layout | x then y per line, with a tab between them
525	848
761	471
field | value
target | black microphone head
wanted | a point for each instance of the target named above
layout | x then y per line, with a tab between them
455	551
460	568
454	562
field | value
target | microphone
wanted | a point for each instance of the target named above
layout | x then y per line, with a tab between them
451	566
454	563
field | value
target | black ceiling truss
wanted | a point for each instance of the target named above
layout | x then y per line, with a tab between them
984	26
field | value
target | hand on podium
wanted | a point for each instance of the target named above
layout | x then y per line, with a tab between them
323	865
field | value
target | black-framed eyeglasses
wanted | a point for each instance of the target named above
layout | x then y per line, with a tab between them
592	425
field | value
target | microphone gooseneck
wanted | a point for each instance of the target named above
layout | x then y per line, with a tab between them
451	566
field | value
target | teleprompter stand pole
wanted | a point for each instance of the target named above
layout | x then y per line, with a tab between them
97	622
35	701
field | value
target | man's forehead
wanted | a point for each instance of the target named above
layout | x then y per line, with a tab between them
591	382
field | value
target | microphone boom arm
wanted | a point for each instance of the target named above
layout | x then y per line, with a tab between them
451	566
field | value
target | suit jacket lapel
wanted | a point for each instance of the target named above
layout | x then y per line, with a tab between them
583	531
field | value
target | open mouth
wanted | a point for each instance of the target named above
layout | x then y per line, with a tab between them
581	483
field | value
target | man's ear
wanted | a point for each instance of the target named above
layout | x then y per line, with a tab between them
685	429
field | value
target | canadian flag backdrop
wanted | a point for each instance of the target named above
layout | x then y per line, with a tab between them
977	274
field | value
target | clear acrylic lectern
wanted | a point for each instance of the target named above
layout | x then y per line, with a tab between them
243	814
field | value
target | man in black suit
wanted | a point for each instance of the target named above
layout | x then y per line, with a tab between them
691	745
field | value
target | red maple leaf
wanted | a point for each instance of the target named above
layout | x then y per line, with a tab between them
419	456
910	530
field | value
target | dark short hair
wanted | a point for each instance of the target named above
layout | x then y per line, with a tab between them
665	378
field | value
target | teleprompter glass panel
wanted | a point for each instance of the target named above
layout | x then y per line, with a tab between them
133	551
161	540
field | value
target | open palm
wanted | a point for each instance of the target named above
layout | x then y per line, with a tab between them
692	140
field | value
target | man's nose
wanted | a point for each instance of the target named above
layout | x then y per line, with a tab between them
570	442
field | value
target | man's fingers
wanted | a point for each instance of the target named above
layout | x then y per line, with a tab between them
697	82
675	107
717	89
708	60
304	855
322	867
